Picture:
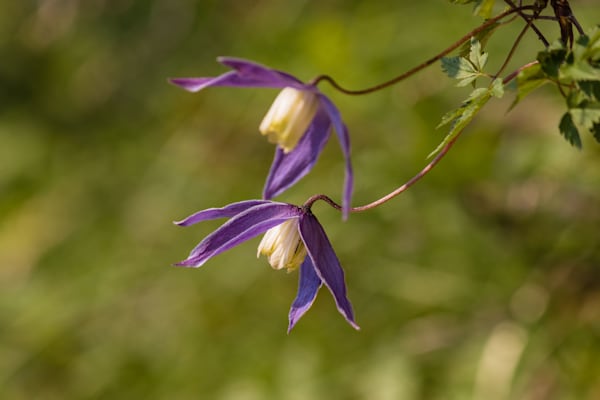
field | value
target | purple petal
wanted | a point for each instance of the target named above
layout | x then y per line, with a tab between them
246	74
326	263
242	227
224	212
289	168
308	286
342	133
196	84
248	68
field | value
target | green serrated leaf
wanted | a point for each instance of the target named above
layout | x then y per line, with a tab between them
588	46
581	64
527	81
450	116
551	59
580	47
461	69
583	61
594	35
458	119
474	98
577	99
466	70
533	72
569	130
590	88
477	57
497	88
580	70
586	117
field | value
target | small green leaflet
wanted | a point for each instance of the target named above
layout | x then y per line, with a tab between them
577	70
458	119
477	56
497	88
580	63
591	89
583	67
552	58
466	70
584	61
527	81
588	118
569	130
460	68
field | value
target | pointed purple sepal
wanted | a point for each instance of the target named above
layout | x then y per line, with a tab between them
223	212
244	226
289	168
308	286
326	263
246	74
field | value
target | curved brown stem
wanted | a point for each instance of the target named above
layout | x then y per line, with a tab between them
423	65
390	195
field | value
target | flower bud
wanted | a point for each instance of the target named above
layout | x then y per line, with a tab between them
289	117
283	246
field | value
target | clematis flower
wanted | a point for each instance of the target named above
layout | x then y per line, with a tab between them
299	122
294	237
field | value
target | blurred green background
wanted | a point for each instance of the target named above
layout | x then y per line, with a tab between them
482	281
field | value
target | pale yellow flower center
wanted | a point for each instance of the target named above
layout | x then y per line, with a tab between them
289	117
283	246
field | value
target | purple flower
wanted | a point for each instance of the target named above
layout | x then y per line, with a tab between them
300	122
292	233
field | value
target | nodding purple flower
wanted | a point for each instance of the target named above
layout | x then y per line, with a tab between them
299	122
294	238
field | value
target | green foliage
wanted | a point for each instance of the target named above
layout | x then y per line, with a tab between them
459	118
460	68
466	69
576	72
591	89
583	61
569	130
528	80
552	59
